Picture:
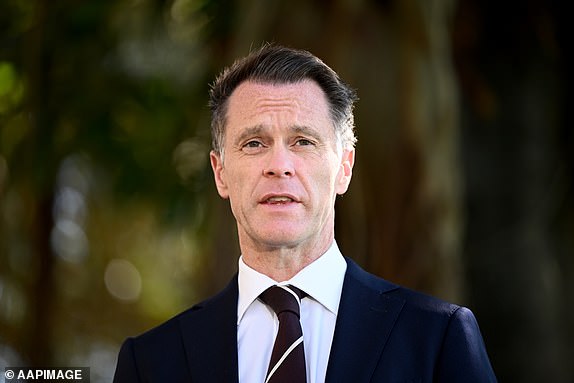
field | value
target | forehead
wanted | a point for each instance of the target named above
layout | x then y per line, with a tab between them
301	103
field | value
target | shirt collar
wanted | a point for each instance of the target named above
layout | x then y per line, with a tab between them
322	280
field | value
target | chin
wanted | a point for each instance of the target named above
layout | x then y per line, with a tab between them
284	238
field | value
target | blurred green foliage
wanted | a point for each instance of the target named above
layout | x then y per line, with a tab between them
103	146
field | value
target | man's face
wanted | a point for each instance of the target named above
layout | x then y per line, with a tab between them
282	165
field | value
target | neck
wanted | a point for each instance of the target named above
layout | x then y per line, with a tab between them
283	263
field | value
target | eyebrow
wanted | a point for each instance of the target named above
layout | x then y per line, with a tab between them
249	132
259	130
307	131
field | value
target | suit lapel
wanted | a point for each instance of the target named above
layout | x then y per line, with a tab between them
210	337
365	320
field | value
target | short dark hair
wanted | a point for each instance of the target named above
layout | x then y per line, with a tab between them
276	64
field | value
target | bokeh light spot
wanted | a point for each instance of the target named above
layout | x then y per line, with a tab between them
123	280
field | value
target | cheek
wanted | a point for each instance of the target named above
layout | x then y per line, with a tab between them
238	183
324	184
236	200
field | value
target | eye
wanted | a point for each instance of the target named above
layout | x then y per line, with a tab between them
253	144
304	142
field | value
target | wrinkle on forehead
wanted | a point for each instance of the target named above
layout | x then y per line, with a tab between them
282	95
278	104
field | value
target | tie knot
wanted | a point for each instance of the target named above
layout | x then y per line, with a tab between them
283	298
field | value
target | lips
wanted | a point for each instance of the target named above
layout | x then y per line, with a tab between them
278	199
273	200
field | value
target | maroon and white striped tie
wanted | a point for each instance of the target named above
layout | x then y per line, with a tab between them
287	364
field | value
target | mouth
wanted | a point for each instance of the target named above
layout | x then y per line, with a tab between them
278	199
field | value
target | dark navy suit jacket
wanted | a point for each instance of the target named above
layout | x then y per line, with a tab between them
384	333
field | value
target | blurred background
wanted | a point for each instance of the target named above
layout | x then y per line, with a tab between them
109	218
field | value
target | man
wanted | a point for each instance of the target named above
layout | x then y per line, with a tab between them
283	149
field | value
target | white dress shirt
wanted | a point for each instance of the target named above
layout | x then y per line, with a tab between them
257	324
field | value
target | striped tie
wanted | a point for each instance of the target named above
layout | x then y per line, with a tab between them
288	357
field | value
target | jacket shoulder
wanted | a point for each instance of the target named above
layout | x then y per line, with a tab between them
171	328
172	350
430	336
413	300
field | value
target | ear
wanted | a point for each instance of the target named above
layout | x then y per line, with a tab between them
219	174
345	171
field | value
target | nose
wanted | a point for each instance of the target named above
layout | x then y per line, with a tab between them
279	164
